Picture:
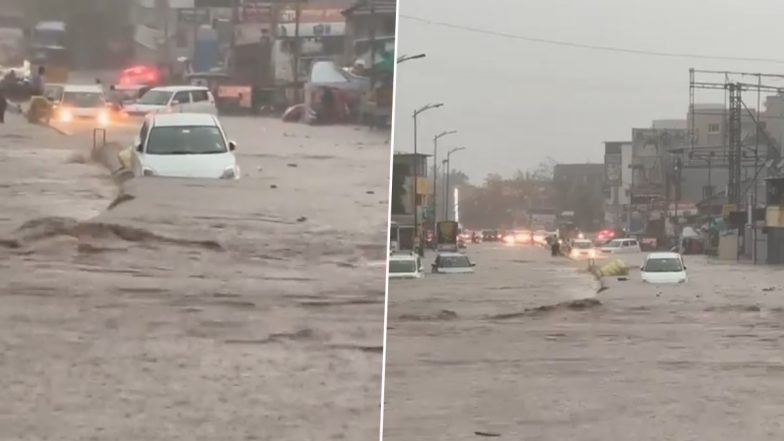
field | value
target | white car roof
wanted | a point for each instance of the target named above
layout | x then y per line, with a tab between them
663	255
452	255
183	119
81	88
582	241
402	256
179	88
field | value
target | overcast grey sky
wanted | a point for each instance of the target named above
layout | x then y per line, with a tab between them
515	103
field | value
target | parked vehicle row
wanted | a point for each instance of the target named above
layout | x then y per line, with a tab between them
408	265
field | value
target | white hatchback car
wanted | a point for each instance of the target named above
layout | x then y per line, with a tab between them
174	99
622	246
184	145
404	265
664	268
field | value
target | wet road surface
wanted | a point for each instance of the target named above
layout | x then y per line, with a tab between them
525	349
193	310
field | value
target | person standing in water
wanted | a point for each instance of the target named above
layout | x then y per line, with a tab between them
3	105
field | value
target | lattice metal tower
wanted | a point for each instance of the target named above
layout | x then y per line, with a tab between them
734	143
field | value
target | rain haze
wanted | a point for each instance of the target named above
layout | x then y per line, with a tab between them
515	103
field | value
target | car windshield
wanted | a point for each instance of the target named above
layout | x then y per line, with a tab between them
155	98
53	93
402	266
83	99
614	244
583	245
189	140
663	265
327	72
453	262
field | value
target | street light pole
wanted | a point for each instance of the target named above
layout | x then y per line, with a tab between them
416	169
435	170
404	58
448	171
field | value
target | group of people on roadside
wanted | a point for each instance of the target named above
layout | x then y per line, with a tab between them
37	86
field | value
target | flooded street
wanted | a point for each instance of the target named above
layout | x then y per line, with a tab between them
525	349
193	310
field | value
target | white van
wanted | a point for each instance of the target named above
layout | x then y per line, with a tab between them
174	99
622	246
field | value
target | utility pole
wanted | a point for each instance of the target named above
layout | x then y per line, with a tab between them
446	189
235	20
297	48
435	170
165	53
416	167
274	24
372	44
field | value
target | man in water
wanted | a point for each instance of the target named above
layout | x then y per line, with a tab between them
38	82
3	105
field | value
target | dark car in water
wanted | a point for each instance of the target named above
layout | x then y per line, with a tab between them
491	236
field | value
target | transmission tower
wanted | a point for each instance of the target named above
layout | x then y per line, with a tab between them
734	142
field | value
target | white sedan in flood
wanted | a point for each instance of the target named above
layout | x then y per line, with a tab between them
452	263
664	268
184	145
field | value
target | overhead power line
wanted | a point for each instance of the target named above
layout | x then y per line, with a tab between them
588	46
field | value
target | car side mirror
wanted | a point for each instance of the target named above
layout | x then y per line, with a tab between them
139	147
232	146
684	267
473	264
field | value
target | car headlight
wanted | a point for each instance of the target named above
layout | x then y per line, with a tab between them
682	281
230	173
65	115
148	172
103	119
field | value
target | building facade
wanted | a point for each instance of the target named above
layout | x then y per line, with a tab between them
617	182
404	168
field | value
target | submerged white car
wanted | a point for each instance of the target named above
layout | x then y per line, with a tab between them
184	145
664	268
452	263
405	266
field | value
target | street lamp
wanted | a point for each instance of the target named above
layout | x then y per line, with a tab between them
435	168
404	58
446	189
416	169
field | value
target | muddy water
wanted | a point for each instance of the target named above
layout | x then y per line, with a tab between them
198	310
694	362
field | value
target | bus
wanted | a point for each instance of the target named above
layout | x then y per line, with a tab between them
49	48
